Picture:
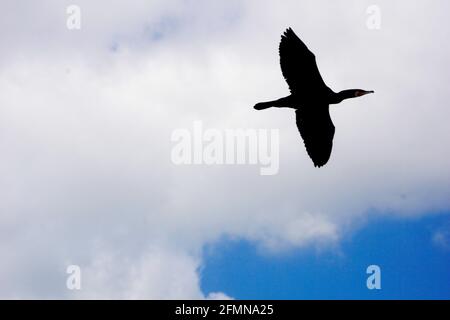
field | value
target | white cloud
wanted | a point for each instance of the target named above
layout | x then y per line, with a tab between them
85	136
158	274
302	230
218	296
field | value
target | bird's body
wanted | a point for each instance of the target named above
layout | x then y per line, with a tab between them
310	96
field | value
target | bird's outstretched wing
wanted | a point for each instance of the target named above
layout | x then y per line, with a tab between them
298	65
317	131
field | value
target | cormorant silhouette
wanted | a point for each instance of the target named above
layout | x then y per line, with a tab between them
310	96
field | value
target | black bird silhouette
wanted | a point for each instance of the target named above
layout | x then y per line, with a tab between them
310	96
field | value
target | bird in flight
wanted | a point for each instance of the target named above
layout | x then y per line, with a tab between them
310	96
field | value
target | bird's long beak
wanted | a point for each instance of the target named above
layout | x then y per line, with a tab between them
363	92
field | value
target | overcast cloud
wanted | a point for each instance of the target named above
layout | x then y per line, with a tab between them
86	118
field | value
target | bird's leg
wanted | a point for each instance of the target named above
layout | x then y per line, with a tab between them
285	102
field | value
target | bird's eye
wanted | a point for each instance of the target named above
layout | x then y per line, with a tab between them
357	93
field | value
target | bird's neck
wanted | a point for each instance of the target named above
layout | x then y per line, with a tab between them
342	95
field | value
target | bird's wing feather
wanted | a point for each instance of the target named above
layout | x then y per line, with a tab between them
317	131
298	65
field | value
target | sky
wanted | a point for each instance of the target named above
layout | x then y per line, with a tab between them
86	119
412	266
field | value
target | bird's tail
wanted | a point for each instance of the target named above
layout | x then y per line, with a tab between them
286	102
263	105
